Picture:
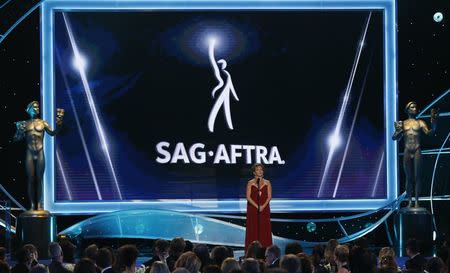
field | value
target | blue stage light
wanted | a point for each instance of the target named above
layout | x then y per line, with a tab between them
311	227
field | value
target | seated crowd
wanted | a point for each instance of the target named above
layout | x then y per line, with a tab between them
180	256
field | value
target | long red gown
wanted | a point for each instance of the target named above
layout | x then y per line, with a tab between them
265	229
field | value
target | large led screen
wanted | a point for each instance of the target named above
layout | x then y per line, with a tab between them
171	107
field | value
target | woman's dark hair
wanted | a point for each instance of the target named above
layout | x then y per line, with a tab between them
126	257
91	252
219	254
256	165
329	250
212	268
68	250
293	248
161	245
177	246
362	261
189	246
23	255
202	253
104	258
251	265
291	263
254	250
341	252
317	254
306	265
190	261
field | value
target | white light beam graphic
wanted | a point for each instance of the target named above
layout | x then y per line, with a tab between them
344	106
92	106
374	189
338	180
58	158
80	131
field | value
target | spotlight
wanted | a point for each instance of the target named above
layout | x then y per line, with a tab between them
311	227
334	140
438	17
79	62
212	40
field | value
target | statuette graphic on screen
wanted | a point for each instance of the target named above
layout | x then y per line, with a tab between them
223	100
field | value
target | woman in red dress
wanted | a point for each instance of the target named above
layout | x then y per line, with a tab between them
259	193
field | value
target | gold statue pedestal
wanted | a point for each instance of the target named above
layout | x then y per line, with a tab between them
37	227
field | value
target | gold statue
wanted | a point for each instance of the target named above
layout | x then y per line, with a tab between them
32	131
411	129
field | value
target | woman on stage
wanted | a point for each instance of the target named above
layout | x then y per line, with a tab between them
259	193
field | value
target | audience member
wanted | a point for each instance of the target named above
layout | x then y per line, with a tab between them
362	260
262	266
126	259
68	250
202	253
386	251
254	250
159	267
56	258
176	248
189	246
24	259
329	255
219	254
230	251
416	260
273	254
180	270
318	259
160	252
39	268
229	264
251	265
290	263
190	261
293	248
238	271
306	265
212	268
341	254
91	252
388	264
85	265
104	260
33	253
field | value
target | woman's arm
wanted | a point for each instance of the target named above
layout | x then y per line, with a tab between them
269	195
248	195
